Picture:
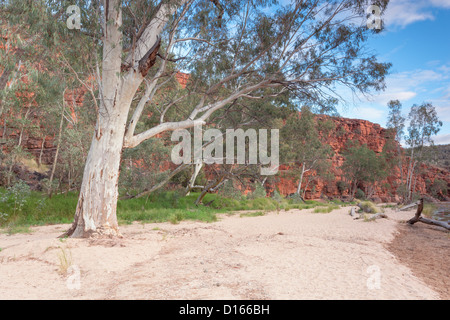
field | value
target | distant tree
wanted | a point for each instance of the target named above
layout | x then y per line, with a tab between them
302	146
396	121
362	166
423	124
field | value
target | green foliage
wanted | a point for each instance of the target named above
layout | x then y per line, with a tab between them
396	120
277	196
295	198
258	192
437	188
228	190
362	165
302	147
141	167
360	194
16	197
342	186
424	123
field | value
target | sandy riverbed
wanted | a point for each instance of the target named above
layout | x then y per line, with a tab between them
286	255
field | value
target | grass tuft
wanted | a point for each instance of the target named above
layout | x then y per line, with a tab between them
65	260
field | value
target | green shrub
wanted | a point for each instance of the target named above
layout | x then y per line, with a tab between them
258	192
295	198
326	209
368	207
342	186
228	190
277	196
360	194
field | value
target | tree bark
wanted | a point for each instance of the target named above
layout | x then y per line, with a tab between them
97	204
42	151
197	168
301	179
96	210
209	187
417	218
58	145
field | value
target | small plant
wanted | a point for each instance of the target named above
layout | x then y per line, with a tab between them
277	196
252	214
327	209
16	196
428	210
368	207
295	198
3	218
259	192
65	260
229	191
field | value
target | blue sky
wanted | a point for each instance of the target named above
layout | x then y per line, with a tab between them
417	42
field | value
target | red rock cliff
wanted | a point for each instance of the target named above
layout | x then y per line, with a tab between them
375	137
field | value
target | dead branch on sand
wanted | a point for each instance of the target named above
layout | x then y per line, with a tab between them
418	218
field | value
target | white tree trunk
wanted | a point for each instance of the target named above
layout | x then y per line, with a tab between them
197	167
97	203
301	179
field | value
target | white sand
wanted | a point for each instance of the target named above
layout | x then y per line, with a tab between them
290	255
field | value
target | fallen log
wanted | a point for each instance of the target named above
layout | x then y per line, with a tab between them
417	218
363	215
377	216
409	206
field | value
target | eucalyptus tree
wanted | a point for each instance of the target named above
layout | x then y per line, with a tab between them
234	50
423	125
396	121
303	146
362	166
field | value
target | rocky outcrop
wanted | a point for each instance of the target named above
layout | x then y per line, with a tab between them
375	137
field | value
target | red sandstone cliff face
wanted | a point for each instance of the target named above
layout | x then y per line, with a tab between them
374	136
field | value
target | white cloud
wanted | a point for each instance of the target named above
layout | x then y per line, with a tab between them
405	86
442	109
401	13
442	139
394	94
441	3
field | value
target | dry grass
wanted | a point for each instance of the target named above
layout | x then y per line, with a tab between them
32	165
65	260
